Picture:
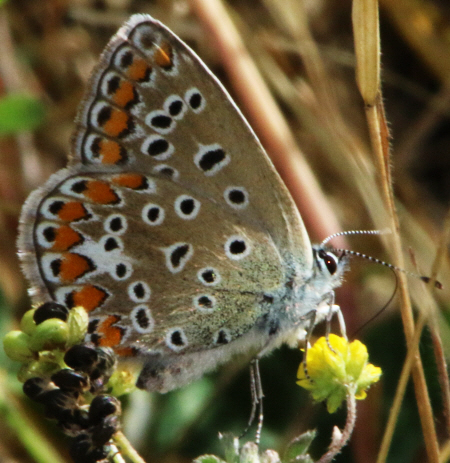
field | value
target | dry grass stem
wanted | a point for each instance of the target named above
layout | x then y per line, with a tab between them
367	48
380	145
400	392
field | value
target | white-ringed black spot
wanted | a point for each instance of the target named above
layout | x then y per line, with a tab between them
187	207
175	106
126	59
49	233
222	337
160	121
112	84
176	339
209	276
104	115
111	244
152	214
142	319
55	207
212	158
121	271
79	187
237	247
205	303
55	267
139	291
236	197
157	147
115	224
195	99
177	256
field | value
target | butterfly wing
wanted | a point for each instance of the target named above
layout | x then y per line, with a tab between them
170	225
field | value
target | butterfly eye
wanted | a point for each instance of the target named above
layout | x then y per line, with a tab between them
330	260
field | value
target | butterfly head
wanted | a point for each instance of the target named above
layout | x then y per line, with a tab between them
329	265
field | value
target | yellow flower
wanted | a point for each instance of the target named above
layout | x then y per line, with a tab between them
332	375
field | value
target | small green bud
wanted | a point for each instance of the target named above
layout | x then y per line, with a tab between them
27	324
49	334
15	344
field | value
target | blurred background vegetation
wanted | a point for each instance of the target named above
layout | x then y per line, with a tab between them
47	49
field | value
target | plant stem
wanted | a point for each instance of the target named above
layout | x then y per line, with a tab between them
126	449
340	440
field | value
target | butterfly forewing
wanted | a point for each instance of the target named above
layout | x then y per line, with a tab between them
204	145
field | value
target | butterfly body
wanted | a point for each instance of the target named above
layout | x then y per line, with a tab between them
170	225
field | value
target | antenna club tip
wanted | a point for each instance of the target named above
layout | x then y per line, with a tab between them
437	284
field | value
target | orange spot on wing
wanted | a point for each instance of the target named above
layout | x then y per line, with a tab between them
164	55
117	124
110	151
89	297
139	70
100	192
124	94
73	210
133	181
74	266
66	237
111	335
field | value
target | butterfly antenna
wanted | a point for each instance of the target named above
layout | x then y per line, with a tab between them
425	279
355	232
386	231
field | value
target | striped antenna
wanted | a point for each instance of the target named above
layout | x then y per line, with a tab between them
347	252
356	232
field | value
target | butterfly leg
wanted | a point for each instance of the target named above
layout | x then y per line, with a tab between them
310	321
332	310
257	400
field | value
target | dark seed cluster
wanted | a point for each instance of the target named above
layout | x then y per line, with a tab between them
63	395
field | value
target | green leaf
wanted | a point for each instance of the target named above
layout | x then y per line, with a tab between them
19	112
299	447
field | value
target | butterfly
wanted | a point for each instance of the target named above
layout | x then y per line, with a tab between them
170	224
